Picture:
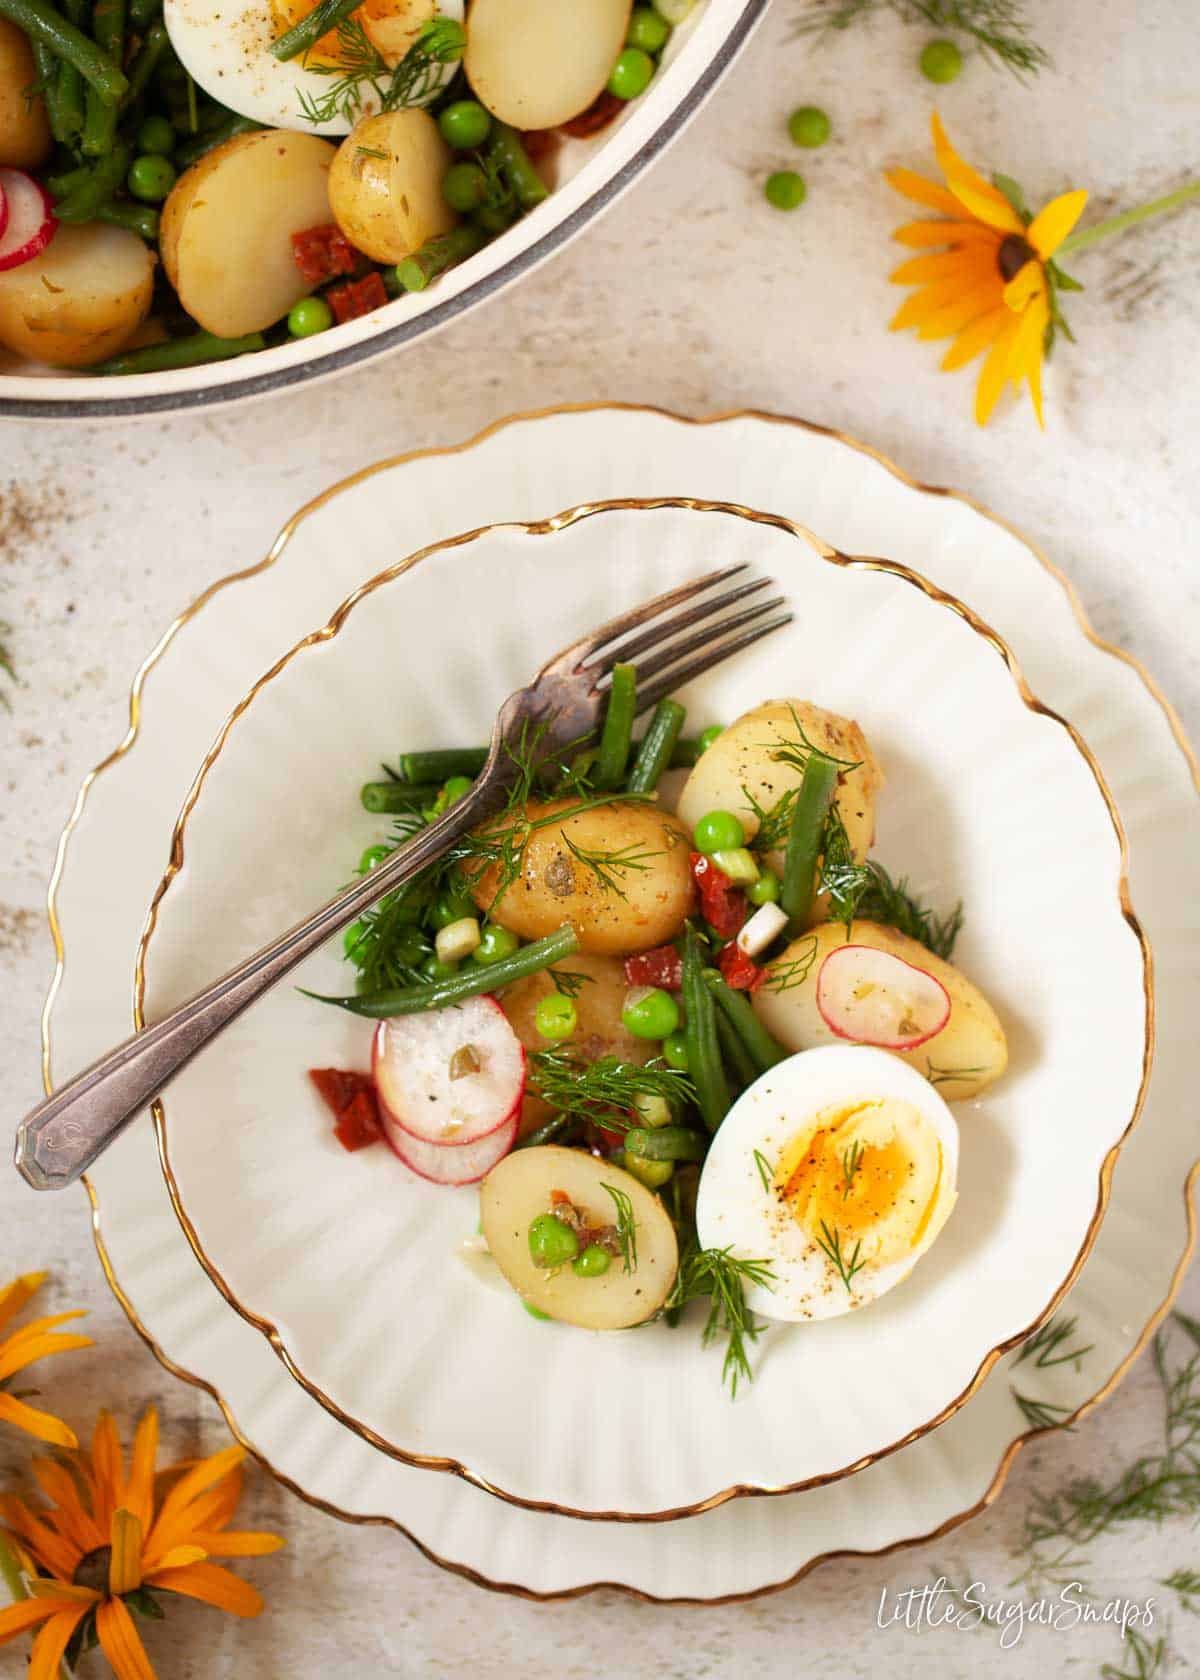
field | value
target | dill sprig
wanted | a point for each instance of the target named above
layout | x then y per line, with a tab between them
999	28
626	1225
569	982
774	822
6	665
1185	1583
1038	1414
718	1275
362	70
796	753
1046	1346
764	1169
830	1244
603	1092
1144	1660
851	1162
845	880
890	902
783	976
945	1075
607	866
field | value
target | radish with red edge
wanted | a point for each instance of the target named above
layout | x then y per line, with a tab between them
873	997
28	222
3	211
440	1163
451	1077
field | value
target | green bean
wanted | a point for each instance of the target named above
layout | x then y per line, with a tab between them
438	254
493	219
658	743
442	763
102	182
471	982
142	13
617	734
192	351
382	797
70	82
508	155
153	47
191	151
62	186
46	84
326	15
546	1133
100	117
700	1035
804	838
41	22
141	219
737	1058
667	1143
763	1050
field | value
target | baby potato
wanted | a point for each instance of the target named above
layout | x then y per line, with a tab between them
599	1030
968	1054
641	850
385	187
81	300
538	63
24	127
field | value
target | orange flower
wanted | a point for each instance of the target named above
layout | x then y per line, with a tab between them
985	276
107	1536
22	1347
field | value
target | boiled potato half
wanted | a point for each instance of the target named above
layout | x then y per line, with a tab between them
642	851
968	1054
24	128
81	300
599	1030
538	63
226	234
513	1195
385	187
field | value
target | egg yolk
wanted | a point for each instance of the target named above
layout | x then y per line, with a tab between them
391	27
871	1173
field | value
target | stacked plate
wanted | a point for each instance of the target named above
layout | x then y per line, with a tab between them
342	1338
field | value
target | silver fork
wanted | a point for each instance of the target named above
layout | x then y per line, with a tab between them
61	1138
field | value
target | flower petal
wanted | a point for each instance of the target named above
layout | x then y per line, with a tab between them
139	1495
182	1505
975	194
952	317
995	371
1051	226
945	265
63	1592
48	1548
41	1425
931	301
16	1354
178	1556
212	1585
235	1543
1029	282
1028	351
16	1618
16	1294
52	1641
121	1642
125	1563
922	234
921	191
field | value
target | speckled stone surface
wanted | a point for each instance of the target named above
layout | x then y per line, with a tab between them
694	295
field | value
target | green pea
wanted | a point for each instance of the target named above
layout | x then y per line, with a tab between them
555	1016
495	943
809	126
156	135
653	1174
455	789
941	61
675	1052
150	178
718	831
647	30
534	1312
631	74
451	906
765	890
709	735
652	1013
785	189
371	857
464	186
593	1262
465	125
433	968
551	1242
311	315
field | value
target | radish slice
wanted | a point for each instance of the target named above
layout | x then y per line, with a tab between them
29	225
3	211
450	1077
463	1163
872	997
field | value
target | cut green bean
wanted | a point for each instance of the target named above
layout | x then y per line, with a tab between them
62	186
471	982
667	1143
700	1035
142	13
804	838
103	181
764	1051
100	115
150	55
509	156
738	1060
41	22
47	84
442	763
658	743
384	797
191	151
326	15
141	219
443	251
192	351
617	735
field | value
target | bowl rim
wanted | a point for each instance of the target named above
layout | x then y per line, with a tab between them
318	364
824	551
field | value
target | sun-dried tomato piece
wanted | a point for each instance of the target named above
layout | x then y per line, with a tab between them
351	1098
357	297
322	253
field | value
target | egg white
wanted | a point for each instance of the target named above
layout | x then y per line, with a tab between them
735	1208
225	46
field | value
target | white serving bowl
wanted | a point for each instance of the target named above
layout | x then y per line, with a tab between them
349	1264
592	176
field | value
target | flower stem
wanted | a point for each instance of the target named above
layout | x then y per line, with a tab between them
1127	218
10	1573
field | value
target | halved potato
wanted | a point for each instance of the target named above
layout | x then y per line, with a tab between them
385	187
81	300
226	233
24	126
538	63
968	1054
513	1195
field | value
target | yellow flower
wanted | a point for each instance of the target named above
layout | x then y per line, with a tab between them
22	1347
107	1535
982	275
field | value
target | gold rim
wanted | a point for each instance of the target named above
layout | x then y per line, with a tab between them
276	551
545	528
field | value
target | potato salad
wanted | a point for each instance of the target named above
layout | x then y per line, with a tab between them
685	1035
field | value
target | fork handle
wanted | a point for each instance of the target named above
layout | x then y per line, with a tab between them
61	1138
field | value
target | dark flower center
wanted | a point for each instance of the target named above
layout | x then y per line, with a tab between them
92	1570
1012	256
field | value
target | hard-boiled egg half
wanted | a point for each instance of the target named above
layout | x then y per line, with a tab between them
225	46
838	1169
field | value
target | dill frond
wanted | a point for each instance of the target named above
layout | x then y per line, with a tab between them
999	28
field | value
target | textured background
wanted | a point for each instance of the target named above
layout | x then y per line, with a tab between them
692	294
